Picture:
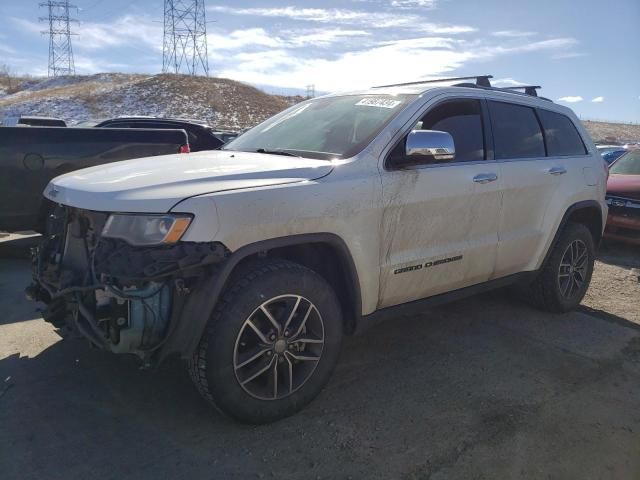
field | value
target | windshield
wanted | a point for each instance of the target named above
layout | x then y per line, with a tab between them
628	164
323	127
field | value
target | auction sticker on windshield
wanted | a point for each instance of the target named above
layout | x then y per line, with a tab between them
379	102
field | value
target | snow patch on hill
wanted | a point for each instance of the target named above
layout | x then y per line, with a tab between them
223	103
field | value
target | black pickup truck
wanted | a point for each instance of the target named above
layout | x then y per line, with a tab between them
201	135
31	156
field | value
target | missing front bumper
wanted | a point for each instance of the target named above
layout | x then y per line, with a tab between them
122	298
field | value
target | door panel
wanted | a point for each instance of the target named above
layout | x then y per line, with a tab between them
528	189
530	181
439	230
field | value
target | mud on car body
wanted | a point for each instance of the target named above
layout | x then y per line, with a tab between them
252	262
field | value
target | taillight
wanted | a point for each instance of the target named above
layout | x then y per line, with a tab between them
185	148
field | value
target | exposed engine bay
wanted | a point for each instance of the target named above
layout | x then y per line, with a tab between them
122	298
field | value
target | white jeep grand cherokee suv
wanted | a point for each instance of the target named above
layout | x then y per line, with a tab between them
254	261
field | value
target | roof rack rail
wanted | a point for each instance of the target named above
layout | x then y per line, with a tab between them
528	89
481	81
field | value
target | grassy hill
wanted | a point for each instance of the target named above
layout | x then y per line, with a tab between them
608	132
223	103
220	102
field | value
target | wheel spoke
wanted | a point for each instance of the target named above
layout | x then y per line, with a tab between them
307	340
303	323
290	371
275	379
292	314
254	357
572	282
259	372
260	335
303	357
566	287
571	252
271	319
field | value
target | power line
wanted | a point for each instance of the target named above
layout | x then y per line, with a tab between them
60	49
184	48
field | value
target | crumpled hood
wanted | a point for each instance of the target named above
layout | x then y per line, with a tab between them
155	184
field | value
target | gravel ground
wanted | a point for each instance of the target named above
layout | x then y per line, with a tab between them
483	388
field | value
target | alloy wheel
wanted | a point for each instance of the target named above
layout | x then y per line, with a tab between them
278	347
572	274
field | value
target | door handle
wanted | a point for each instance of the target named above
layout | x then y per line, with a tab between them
485	178
557	171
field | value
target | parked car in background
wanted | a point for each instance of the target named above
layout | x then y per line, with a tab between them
201	135
31	157
611	152
613	155
623	198
28	121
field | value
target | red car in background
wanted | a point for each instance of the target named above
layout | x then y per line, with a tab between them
623	198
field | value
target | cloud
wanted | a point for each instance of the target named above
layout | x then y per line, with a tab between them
385	63
598	100
7	49
571	99
567	55
129	30
413	3
237	39
506	82
512	34
321	37
442	29
368	19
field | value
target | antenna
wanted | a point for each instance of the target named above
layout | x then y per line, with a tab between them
60	50
184	48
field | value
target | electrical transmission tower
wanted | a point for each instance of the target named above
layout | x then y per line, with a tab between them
311	91
185	38
60	50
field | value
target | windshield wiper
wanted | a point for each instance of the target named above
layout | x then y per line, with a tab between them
276	152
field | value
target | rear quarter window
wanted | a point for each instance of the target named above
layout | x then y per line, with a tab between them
516	131
561	134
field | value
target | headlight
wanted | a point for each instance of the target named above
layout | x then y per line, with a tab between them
142	230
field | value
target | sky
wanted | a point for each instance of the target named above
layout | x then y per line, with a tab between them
584	53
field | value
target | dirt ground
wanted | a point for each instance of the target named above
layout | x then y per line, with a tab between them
485	388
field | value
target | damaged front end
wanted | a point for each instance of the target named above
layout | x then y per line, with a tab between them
122	298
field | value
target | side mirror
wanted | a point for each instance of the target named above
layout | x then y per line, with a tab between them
427	146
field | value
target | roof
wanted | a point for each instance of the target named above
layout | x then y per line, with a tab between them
159	119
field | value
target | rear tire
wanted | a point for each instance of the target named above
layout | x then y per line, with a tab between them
564	279
270	345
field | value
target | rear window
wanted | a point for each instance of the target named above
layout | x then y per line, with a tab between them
562	137
516	131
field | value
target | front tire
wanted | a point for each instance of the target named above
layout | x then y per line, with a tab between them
271	344
563	281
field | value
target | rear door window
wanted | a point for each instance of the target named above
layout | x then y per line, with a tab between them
516	131
562	137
